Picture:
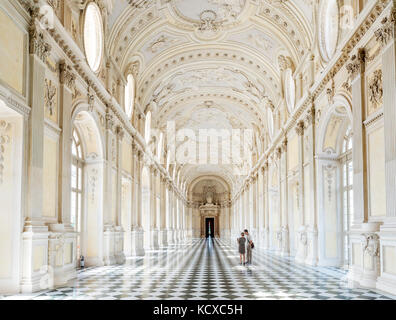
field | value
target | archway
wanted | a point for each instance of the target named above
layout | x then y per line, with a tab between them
274	216
146	206
11	155
335	199
87	188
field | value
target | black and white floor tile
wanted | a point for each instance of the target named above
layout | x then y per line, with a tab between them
207	270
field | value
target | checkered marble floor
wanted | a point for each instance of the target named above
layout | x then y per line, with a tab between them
207	269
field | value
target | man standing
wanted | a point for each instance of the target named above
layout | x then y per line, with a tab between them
249	247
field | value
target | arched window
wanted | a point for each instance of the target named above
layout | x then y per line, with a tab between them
160	146
76	184
147	129
270	118
93	36
347	190
290	90
130	95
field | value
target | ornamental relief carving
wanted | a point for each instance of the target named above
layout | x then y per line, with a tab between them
387	31
92	181
37	44
375	91
5	139
50	99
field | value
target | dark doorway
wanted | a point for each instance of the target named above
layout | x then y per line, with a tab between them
210	230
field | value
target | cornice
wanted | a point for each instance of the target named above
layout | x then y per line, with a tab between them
370	15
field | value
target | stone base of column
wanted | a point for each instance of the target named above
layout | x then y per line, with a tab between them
170	236
163	238
312	247
119	245
137	239
387	280
109	257
226	234
266	236
365	248
35	249
285	242
154	243
61	256
301	254
177	236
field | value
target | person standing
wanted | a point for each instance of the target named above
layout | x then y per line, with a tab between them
242	247
249	247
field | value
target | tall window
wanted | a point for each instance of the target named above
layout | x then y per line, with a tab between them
93	36
347	191
130	95
147	129
76	185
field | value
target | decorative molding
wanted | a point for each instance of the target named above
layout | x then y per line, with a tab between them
375	90
50	96
387	32
4	140
37	44
66	76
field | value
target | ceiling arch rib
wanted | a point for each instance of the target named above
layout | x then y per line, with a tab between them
211	64
257	78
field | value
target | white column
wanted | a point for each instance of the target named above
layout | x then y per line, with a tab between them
311	223
35	233
302	232
387	280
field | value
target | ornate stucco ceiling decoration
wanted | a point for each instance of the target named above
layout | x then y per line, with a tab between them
210	63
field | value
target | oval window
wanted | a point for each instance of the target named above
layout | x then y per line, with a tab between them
93	36
329	28
290	90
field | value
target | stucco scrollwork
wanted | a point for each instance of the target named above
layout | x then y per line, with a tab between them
66	75
387	31
50	96
93	179
371	244
4	140
37	45
375	90
209	22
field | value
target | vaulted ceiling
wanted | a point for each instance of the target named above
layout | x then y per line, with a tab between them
209	63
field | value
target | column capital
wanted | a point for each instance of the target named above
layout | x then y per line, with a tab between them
387	31
284	144
109	121
278	152
120	132
66	75
300	128
310	117
37	45
357	64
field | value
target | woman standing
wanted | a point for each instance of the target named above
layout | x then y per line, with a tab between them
242	244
